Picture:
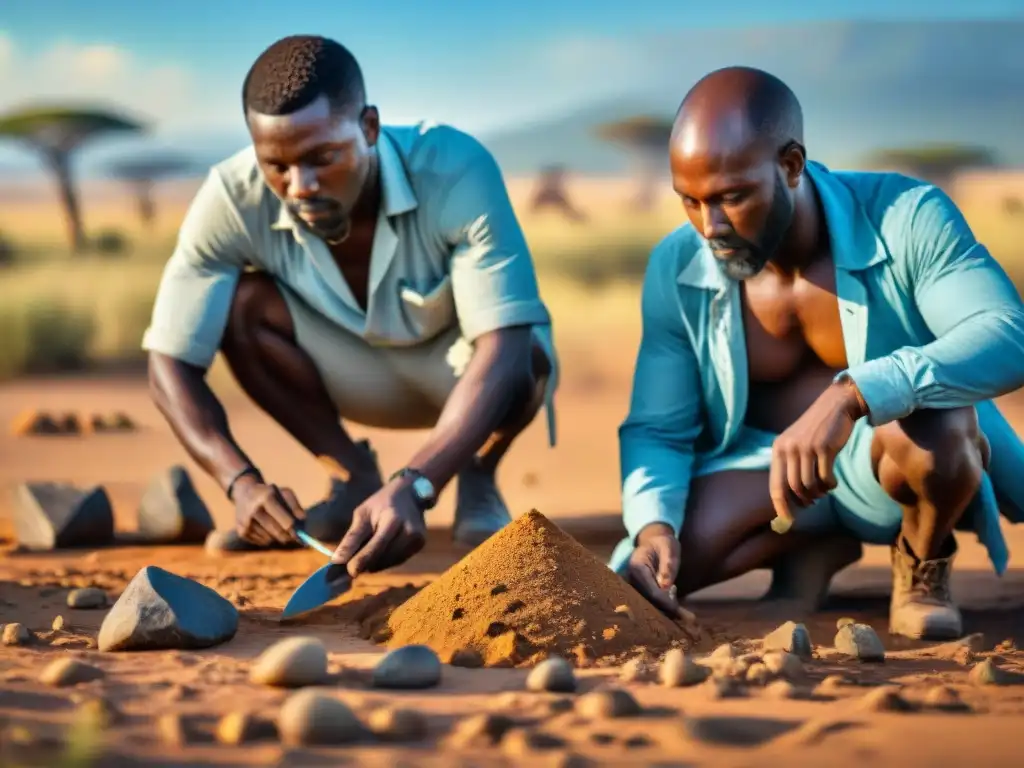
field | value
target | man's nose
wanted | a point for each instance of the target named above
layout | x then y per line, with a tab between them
302	182
716	224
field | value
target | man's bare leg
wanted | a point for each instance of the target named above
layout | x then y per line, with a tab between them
931	463
261	351
726	533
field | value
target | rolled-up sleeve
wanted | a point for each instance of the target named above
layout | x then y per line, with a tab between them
493	278
970	306
656	440
199	280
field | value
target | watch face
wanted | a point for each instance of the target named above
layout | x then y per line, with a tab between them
423	489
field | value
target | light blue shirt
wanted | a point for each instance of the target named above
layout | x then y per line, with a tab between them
929	319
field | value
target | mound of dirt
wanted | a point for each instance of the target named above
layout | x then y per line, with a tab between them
528	592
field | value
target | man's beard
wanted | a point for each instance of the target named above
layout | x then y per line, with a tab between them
747	258
333	225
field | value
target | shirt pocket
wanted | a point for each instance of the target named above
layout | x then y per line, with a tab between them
429	313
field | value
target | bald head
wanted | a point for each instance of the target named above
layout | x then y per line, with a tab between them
733	108
737	158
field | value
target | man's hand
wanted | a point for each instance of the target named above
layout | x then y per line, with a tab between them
803	456
387	529
264	513
654	565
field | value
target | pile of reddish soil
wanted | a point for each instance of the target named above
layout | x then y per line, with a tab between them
528	592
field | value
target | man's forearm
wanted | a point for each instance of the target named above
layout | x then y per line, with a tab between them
196	417
497	379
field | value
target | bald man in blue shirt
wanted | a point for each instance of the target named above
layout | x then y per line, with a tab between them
819	355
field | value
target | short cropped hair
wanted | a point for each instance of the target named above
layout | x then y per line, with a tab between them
295	71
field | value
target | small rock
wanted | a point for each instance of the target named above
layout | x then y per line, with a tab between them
310	717
87	598
66	671
553	674
724	651
159	610
34	422
783	664
861	642
635	671
50	516
791	637
523	742
173	730
483	730
758	674
780	689
559	705
885	698
988	672
833	683
607	703
845	622
291	663
237	728
721	688
171	510
466	657
945	698
58	623
97	713
679	670
16	634
738	667
412	666
400	725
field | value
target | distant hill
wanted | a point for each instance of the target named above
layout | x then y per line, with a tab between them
863	85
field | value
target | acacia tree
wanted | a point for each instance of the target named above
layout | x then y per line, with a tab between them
645	138
142	174
936	163
56	133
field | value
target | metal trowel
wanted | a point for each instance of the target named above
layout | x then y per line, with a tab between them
325	584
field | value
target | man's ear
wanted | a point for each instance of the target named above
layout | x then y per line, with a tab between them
793	159
370	122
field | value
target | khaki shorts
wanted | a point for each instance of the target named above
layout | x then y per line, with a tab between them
394	387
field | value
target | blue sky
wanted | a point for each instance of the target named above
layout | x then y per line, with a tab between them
480	66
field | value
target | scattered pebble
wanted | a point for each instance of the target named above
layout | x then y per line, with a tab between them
559	705
523	742
172	730
67	671
758	674
171	510
635	671
988	672
553	674
50	516
607	703
721	688
58	623
483	730
945	698
87	598
679	670
97	713
780	689
412	666
159	610
783	664
885	698
237	728
16	634
291	663
724	651
466	657
861	642
832	683
845	622
310	717
400	725
791	637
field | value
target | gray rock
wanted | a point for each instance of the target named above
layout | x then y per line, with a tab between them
51	516
607	703
291	663
482	730
16	634
87	598
171	510
986	672
860	641
553	674
159	610
310	717
398	725
67	671
792	638
679	670
783	664
635	671
412	666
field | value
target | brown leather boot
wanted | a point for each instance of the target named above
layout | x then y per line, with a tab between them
922	607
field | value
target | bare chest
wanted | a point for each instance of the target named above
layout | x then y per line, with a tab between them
352	258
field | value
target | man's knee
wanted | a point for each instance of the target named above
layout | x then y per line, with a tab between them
937	455
257	305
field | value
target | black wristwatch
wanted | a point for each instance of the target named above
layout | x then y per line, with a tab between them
422	488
